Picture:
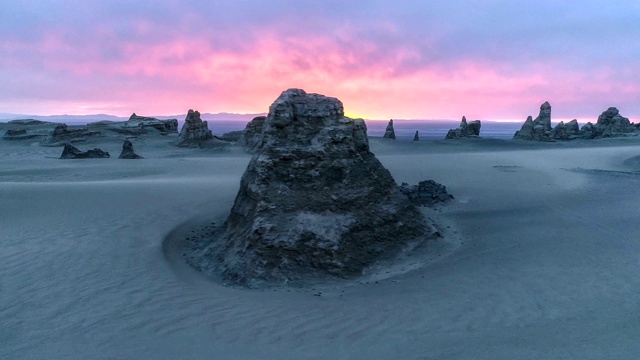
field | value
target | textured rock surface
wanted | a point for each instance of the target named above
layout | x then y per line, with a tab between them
538	129
127	151
416	137
253	132
389	132
143	122
72	152
465	130
611	123
195	132
62	134
313	202
20	134
566	131
426	193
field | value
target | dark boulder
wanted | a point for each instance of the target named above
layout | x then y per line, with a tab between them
127	151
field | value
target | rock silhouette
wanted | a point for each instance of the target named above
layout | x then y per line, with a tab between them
389	132
465	130
127	151
72	152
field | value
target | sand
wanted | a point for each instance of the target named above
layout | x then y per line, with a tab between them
539	259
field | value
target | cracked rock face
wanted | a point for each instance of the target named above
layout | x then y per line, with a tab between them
313	201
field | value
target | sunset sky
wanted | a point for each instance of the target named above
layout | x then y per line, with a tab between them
407	59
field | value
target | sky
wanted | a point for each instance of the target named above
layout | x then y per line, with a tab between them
403	59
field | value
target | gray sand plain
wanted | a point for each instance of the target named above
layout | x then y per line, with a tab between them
539	259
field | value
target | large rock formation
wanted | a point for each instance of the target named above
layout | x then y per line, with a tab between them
72	152
465	130
62	134
252	132
144	122
127	151
195	132
389	132
314	201
538	129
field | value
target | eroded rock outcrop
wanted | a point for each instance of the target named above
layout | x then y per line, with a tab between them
19	134
538	129
416	137
313	201
144	122
72	152
426	193
127	151
195	132
465	130
389	132
63	134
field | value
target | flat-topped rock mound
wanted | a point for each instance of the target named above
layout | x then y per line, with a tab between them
313	201
145	122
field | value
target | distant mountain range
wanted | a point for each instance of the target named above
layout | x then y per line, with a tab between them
83	119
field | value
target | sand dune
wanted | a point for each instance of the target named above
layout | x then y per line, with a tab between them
539	260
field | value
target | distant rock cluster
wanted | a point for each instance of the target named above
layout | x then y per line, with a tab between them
465	130
313	201
62	134
610	124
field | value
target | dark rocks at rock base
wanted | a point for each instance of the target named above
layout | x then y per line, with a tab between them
538	129
234	136
127	151
465	130
426	193
416	137
389	132
194	131
314	202
72	152
62	134
143	122
253	132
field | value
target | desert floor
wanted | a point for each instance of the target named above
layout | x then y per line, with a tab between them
540	259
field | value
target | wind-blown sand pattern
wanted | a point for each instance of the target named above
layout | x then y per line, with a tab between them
539	259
